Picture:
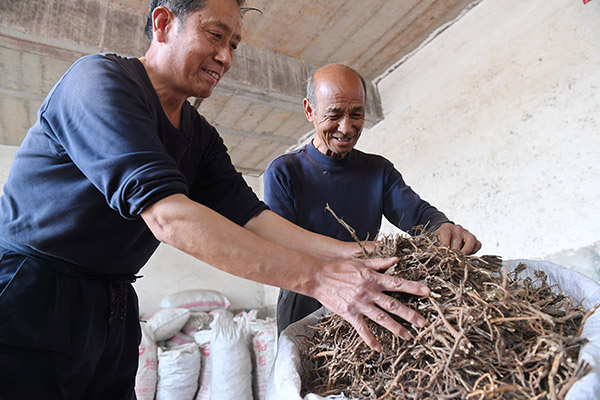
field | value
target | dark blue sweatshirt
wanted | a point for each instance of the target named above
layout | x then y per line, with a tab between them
359	188
102	151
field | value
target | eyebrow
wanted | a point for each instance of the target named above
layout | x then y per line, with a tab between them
339	109
228	29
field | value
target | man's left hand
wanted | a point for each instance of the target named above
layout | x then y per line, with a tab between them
458	238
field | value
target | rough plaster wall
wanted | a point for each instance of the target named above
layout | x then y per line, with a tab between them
497	123
6	156
26	79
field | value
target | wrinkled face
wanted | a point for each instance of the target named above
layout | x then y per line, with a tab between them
202	49
339	114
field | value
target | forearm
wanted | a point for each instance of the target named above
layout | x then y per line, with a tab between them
352	288
276	229
212	238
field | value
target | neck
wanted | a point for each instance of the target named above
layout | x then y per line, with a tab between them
334	155
322	148
170	101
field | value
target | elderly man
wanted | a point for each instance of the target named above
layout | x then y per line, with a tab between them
359	187
118	162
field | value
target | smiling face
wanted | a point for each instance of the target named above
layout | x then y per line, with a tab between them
339	113
201	48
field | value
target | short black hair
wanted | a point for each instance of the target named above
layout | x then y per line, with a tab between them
181	9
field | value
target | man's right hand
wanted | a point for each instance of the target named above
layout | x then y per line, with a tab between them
350	287
354	289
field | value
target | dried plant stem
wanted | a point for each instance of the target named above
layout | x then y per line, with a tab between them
490	334
349	229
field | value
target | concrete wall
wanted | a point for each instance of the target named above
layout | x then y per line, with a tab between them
6	157
497	122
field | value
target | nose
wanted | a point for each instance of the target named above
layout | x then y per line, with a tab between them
345	125
225	56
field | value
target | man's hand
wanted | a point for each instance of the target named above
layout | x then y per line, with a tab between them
354	289
458	238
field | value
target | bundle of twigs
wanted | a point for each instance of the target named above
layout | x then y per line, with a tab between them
490	335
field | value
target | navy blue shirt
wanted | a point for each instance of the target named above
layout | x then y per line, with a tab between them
101	151
360	188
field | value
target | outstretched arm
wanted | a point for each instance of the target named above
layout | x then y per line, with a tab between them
276	229
273	251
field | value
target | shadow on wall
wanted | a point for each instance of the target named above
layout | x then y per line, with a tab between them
585	260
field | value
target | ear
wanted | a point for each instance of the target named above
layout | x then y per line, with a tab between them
308	111
162	19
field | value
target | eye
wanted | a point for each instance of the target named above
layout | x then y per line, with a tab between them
234	46
217	35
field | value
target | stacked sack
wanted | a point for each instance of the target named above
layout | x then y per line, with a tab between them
195	348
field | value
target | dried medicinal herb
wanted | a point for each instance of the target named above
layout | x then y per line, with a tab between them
490	335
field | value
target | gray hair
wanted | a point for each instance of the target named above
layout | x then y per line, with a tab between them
310	86
181	9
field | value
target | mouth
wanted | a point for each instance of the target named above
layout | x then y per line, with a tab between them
342	139
212	74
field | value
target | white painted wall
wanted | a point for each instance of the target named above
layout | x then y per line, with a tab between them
496	121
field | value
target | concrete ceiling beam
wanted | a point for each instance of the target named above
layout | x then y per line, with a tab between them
266	77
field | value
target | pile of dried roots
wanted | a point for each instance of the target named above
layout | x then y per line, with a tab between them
490	335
